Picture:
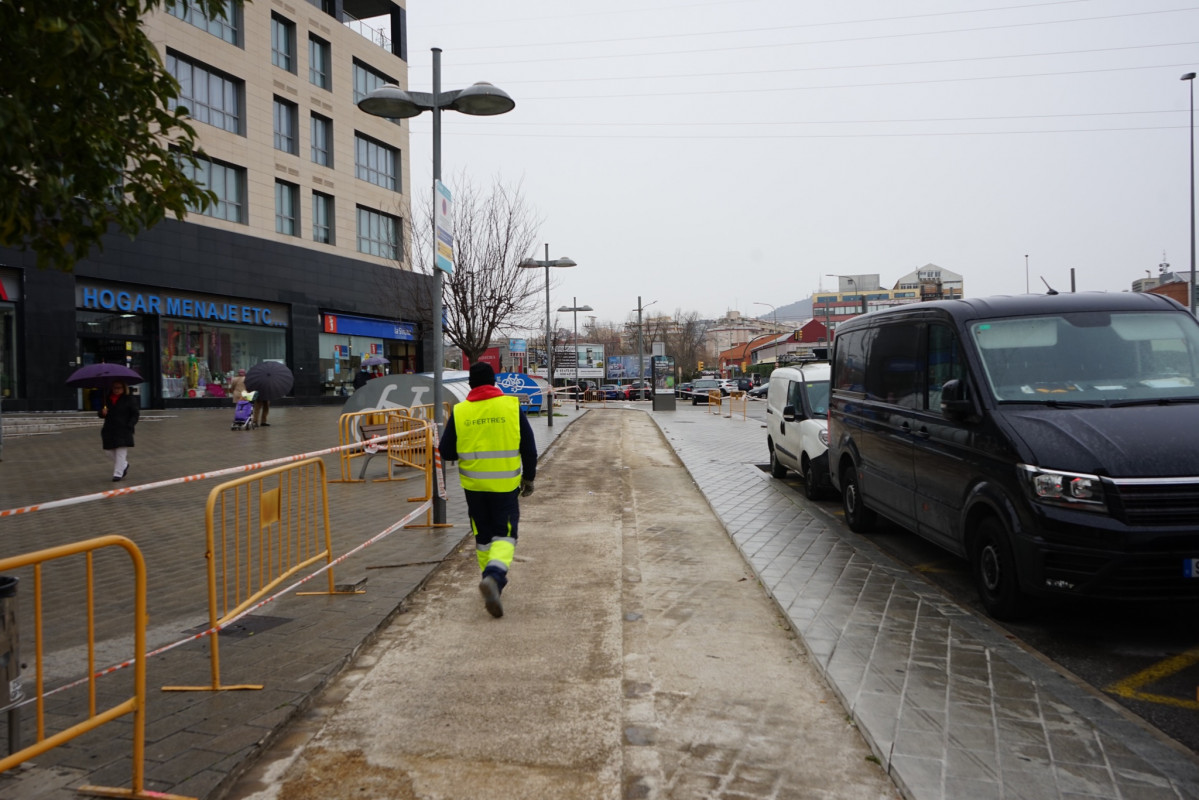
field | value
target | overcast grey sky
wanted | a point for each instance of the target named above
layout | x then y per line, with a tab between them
712	156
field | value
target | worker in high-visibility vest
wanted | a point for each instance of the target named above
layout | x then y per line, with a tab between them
493	444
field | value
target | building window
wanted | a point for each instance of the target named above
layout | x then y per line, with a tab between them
283	43
367	80
287	208
208	95
229	183
286	115
322	140
376	163
227	27
378	234
320	66
322	218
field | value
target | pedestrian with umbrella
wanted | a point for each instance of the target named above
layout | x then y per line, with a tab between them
271	380
119	410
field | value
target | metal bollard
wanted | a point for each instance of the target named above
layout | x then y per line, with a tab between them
10	659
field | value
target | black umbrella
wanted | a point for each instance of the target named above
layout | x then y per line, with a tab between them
270	379
98	376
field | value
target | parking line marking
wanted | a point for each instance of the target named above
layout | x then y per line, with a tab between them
1130	687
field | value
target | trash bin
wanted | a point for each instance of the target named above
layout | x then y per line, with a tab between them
10	659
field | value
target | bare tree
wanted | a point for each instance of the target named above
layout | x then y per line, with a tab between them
494	229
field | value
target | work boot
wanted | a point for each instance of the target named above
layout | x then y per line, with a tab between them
491	596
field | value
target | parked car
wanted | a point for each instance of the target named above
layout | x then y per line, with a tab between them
1052	440
638	390
797	425
701	387
759	390
683	391
611	391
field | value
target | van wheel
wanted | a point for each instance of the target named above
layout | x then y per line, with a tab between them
777	470
810	489
994	570
859	518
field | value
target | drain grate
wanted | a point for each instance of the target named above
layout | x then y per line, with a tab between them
246	626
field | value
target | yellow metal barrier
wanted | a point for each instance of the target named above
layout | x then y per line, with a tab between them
715	398
413	449
262	529
135	705
738	398
359	426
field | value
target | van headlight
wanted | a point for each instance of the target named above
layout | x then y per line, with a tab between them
824	436
1069	489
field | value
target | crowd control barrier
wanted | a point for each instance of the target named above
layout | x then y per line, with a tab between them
262	529
135	705
715	400
408	439
738	399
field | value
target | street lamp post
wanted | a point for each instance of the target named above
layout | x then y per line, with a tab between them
575	309
774	351
478	100
1190	78
532	263
1026	289
640	347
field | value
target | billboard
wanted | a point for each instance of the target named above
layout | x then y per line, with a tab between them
625	367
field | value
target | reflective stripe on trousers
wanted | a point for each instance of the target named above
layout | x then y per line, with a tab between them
494	521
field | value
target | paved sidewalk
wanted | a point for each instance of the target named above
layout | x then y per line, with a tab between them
951	708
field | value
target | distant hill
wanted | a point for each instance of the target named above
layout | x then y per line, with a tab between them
799	311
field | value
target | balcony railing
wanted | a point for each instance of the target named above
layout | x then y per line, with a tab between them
378	36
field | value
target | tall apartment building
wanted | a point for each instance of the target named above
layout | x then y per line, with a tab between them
305	259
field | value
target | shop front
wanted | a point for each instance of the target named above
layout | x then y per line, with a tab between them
188	346
387	346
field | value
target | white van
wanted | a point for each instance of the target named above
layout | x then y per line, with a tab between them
797	423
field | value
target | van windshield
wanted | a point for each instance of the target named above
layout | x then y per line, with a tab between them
1098	358
817	392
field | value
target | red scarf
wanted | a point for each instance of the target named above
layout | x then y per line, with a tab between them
112	399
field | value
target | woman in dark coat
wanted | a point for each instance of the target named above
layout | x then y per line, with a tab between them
120	412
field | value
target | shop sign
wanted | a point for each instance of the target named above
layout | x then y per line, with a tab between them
365	326
94	298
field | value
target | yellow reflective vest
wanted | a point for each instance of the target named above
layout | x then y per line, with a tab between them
488	434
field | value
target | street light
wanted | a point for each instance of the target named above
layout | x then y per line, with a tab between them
575	309
1026	289
1190	78
775	349
532	263
640	348
392	102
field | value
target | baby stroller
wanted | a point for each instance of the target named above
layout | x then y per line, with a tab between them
243	412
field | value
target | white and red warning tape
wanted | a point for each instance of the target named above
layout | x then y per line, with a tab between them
200	476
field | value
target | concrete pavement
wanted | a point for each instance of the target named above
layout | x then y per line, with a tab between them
950	707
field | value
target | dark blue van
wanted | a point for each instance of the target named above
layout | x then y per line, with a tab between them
1053	441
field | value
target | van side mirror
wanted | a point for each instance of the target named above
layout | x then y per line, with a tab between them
789	413
954	402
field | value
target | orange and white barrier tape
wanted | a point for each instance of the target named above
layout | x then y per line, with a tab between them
199	476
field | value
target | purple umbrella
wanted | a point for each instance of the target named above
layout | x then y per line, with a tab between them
371	361
97	376
270	379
